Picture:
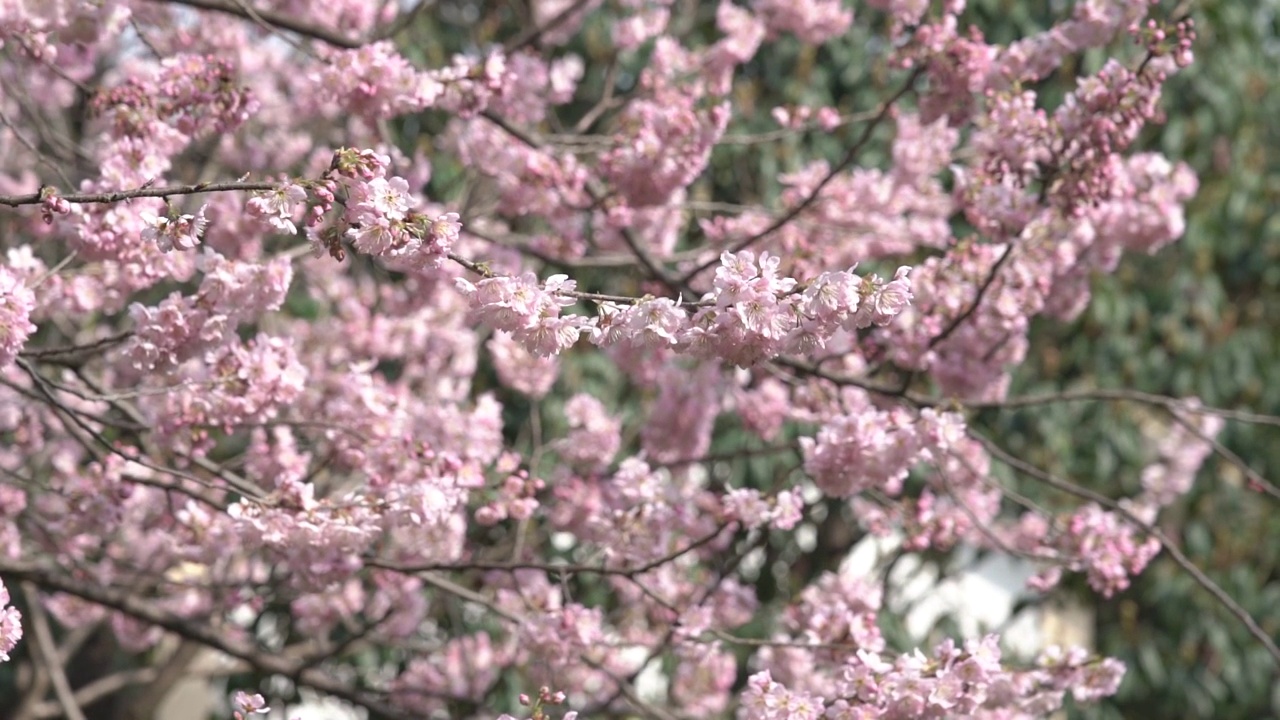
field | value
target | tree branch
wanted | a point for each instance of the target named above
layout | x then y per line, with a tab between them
143	192
52	579
1178	556
46	651
280	20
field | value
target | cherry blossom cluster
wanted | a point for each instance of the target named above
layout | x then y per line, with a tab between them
379	215
519	369
763	409
517	499
870	448
10	624
529	180
16	304
1180	450
831	616
194	95
1093	24
669	147
150	118
182	327
244	384
51	30
861	215
962	67
683	415
528	309
1105	546
90	499
813	21
635	515
533	86
968	333
467	666
1161	39
749	507
174	231
954	681
754	312
376	81
831	681
595	436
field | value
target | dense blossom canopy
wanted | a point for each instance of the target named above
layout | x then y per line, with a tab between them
269	386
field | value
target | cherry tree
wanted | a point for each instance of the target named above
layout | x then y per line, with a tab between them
454	447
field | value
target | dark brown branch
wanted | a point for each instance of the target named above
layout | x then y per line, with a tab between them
280	20
46	651
143	192
977	299
77	349
402	21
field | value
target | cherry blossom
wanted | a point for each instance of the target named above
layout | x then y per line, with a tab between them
16	304
10	625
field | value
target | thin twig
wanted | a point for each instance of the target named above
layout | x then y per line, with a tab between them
56	580
533	33
1178	556
36	198
402	21
1103	394
280	20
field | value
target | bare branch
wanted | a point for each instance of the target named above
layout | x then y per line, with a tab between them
143	192
1178	556
47	652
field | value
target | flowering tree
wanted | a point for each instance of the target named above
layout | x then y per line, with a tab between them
447	428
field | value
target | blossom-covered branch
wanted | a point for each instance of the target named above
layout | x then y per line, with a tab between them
531	377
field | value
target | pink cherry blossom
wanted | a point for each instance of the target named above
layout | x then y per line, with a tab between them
10	625
16	305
